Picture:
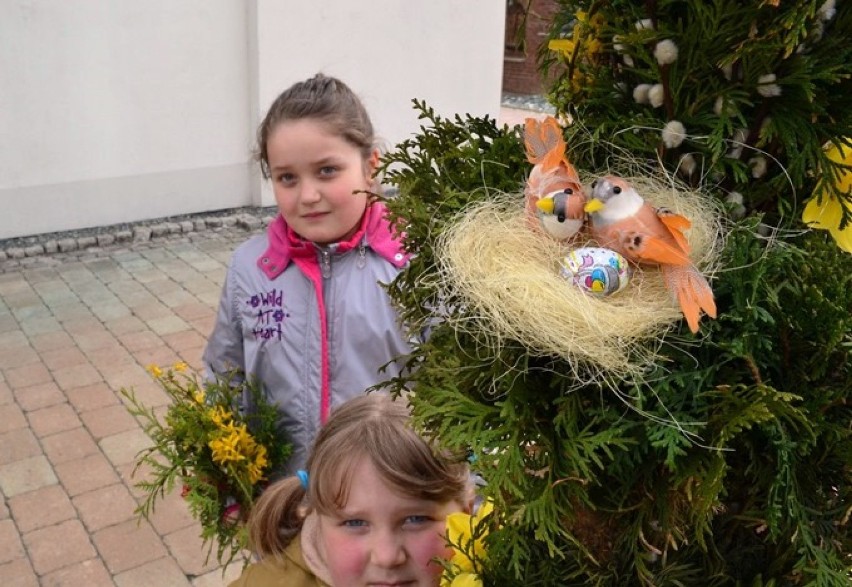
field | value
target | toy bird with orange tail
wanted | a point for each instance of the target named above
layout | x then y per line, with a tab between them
620	219
554	194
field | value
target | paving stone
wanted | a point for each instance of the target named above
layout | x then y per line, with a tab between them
62	358
128	545
162	356
53	419
11	418
163	571
10	542
189	551
217	577
124	325
92	397
248	222
26	475
43	507
28	375
185	339
88	341
123	448
137	341
69	445
76	376
108	421
105	240
39	396
18	573
86	474
17	445
159	230
193	358
67	244
41	325
142	233
105	507
6	396
171	513
114	356
50	341
49	554
91	573
193	310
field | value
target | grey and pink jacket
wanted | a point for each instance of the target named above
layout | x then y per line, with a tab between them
312	323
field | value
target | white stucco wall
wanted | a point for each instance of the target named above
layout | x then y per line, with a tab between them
115	111
446	52
118	111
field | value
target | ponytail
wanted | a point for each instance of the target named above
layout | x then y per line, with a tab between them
277	517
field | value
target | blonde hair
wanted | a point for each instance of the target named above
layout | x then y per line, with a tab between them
372	426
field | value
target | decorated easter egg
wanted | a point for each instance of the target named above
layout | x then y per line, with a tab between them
596	270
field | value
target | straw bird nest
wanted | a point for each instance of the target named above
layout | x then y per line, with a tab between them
507	275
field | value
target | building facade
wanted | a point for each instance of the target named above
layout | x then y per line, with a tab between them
115	112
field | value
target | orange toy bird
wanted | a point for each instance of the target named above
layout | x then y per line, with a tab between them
620	219
554	194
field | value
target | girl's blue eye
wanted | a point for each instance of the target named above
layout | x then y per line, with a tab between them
418	519
328	170
353	523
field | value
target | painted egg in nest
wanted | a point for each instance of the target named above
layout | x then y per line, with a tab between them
599	271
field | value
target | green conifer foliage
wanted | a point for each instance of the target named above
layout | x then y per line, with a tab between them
749	92
728	464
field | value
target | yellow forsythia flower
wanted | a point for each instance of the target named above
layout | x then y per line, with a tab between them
461	528
256	468
466	580
180	367
824	211
225	449
219	416
564	46
155	371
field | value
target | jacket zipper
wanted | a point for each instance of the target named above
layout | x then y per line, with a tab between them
325	263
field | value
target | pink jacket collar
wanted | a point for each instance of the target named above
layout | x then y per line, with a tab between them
375	231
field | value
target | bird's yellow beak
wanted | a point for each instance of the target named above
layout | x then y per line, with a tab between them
593	205
545	205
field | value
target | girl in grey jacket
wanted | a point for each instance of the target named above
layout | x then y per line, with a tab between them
303	308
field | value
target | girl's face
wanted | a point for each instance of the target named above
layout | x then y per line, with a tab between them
381	538
314	174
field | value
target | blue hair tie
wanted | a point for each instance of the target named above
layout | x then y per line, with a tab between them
303	478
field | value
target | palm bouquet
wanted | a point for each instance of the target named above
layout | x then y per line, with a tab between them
220	455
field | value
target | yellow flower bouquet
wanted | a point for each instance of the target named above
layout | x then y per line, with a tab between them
220	455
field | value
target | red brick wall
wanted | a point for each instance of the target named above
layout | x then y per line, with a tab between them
520	74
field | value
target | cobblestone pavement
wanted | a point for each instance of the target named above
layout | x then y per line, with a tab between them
75	328
81	318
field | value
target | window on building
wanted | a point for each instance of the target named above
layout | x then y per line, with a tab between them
516	20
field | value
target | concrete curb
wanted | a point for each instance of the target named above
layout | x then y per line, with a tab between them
22	252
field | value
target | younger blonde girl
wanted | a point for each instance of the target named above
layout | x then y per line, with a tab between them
371	508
